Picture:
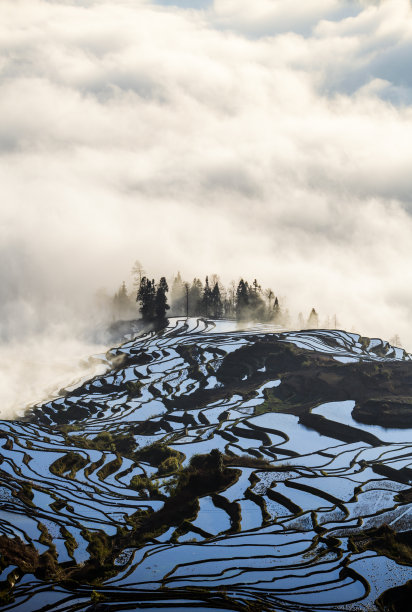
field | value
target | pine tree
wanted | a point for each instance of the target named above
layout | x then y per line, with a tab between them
256	303
161	305
256	287
270	297
216	302
242	300
206	298
277	312
187	289
146	297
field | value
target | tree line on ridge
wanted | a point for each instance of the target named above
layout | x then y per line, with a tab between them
243	301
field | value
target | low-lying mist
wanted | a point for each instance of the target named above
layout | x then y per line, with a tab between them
39	366
40	355
248	141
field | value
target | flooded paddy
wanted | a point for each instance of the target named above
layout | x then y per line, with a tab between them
211	468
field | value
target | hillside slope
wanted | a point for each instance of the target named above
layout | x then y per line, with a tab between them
215	468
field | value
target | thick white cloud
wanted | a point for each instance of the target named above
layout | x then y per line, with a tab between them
267	16
265	139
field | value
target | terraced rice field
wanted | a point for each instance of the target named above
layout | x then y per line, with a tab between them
213	468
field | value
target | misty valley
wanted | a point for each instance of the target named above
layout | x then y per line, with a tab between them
214	468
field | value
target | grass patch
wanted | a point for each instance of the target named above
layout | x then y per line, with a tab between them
70	462
134	388
385	541
144	484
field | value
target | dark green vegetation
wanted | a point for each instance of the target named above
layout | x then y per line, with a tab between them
393	409
386	541
241	300
308	379
198	470
397	599
397	546
205	474
152	299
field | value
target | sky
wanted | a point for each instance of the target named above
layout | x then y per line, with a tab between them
264	139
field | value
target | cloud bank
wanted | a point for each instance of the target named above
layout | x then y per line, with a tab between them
262	139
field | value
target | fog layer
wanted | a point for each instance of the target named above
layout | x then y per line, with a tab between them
256	139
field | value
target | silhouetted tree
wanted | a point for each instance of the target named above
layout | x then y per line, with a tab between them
161	305
146	297
216	302
256	303
242	300
277	313
213	279
187	298
206	298
270	296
